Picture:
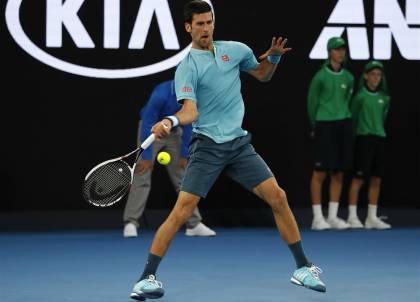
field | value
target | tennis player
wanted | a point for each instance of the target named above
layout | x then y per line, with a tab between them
208	85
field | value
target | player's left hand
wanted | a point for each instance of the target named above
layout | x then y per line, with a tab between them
278	47
182	163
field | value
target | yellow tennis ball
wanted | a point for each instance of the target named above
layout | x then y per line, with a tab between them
164	158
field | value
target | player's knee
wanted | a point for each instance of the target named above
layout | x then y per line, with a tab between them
184	211
279	200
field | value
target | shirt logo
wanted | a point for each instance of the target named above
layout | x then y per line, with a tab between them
344	86
225	58
186	89
381	101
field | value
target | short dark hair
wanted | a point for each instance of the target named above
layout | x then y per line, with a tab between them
195	7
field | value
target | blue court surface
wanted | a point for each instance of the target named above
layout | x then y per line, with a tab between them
238	265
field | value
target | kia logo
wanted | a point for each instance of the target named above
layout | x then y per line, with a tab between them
64	22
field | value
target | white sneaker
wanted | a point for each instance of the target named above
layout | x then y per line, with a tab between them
376	223
355	223
130	230
338	223
320	224
200	230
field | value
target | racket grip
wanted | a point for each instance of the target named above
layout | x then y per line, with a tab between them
148	141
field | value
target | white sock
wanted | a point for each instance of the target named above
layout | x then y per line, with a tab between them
352	211
372	208
317	209
332	209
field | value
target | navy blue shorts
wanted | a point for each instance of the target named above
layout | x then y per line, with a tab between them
333	145
208	159
369	156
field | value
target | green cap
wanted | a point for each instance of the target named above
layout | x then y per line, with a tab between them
374	64
335	42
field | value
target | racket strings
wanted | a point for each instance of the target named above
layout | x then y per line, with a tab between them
108	183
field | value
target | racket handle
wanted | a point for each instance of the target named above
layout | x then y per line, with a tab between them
148	141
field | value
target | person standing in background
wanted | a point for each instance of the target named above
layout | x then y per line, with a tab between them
162	102
330	117
369	110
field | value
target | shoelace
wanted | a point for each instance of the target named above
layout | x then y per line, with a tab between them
152	279
315	270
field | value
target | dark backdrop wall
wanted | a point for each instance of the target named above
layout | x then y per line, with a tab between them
57	125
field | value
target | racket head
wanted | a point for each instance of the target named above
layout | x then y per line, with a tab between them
107	183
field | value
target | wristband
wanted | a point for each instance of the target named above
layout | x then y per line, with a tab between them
274	59
173	119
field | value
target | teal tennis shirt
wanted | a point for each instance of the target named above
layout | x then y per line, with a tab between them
212	81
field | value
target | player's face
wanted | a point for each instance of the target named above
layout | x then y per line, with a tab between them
201	30
373	78
338	55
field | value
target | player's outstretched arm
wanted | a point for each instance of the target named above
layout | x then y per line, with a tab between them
269	60
185	116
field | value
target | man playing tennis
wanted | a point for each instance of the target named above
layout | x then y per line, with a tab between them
207	83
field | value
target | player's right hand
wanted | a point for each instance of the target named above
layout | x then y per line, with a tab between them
162	129
143	166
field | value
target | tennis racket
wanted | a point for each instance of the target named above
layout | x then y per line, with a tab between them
109	181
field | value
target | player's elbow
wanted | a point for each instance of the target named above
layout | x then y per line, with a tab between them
264	77
193	114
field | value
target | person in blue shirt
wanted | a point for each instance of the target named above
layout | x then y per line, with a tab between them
161	103
208	85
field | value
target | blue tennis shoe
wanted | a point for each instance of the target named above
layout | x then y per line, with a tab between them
308	276
148	288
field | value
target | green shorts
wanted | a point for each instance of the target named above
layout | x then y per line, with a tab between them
208	159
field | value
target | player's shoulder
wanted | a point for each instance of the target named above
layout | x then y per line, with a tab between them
188	63
231	45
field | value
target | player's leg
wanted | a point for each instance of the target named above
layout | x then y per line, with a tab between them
148	286
204	166
183	209
306	273
249	169
194	225
270	192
